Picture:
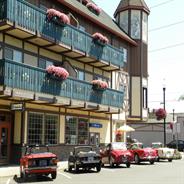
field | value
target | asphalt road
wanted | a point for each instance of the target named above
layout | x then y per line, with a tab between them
160	173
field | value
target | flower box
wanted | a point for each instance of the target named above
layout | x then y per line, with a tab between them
57	73
99	85
160	114
57	17
93	8
100	39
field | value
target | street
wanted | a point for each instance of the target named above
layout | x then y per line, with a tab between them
161	172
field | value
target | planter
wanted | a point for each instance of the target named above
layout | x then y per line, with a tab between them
97	41
98	88
57	21
54	77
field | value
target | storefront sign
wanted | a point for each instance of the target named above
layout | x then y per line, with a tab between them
17	107
95	125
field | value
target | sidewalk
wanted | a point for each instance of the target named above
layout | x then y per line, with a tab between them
15	169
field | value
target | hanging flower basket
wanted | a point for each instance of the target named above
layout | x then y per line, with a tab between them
100	39
57	17
99	85
160	114
85	2
93	8
57	73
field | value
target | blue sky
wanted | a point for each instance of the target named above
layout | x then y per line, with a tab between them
166	50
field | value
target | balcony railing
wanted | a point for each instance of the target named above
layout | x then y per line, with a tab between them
25	77
34	20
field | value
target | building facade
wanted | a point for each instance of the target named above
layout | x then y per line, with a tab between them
37	107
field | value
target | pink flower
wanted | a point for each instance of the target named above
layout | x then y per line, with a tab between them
94	7
101	84
160	114
100	37
57	71
63	17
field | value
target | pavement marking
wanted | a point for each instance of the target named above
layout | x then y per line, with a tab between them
8	181
65	175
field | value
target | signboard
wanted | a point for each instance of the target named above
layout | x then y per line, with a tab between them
95	125
17	107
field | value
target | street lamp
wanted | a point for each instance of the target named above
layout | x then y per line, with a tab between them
164	89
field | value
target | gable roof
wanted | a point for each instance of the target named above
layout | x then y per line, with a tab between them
103	20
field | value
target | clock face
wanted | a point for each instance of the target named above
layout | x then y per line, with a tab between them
135	24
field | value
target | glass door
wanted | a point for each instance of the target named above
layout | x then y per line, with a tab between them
4	143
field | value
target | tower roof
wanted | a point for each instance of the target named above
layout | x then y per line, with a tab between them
132	4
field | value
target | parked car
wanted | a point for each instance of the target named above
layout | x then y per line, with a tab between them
142	154
84	157
176	144
37	160
116	153
163	153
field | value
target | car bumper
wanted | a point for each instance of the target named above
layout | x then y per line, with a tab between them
88	164
150	158
40	170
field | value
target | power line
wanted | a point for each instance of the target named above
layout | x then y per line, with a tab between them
166	26
167	47
161	4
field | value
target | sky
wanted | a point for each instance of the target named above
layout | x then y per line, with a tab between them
165	51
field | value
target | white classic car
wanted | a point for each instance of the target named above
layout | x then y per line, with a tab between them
163	153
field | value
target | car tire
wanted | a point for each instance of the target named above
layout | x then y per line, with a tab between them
53	175
69	167
137	159
128	164
152	162
76	168
158	159
170	160
111	162
98	168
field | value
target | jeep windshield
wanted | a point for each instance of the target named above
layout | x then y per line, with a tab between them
82	149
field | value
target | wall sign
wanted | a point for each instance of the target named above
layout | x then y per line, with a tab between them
95	125
17	107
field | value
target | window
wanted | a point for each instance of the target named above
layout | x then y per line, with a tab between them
43	63
124	21
135	24
13	55
76	130
80	74
145	98
42	128
145	27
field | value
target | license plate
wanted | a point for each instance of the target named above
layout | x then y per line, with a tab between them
43	163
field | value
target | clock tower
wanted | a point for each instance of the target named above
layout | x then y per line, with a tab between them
132	18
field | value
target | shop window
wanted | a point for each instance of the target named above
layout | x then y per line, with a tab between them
42	128
13	55
76	130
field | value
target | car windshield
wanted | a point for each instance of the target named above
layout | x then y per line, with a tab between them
36	150
119	146
82	149
137	146
156	145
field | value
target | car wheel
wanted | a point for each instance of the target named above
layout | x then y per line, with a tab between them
111	162
69	167
158	159
53	175
170	159
136	158
128	164
98	168
76	168
152	162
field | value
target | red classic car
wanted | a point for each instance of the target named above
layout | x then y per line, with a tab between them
38	161
116	153
142	154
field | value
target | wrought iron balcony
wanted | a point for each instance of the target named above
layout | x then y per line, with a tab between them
20	76
28	22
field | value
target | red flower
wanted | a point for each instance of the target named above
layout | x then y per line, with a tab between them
160	114
57	71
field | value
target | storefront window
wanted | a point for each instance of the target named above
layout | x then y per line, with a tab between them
76	130
42	128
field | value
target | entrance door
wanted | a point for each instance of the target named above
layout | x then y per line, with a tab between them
4	142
